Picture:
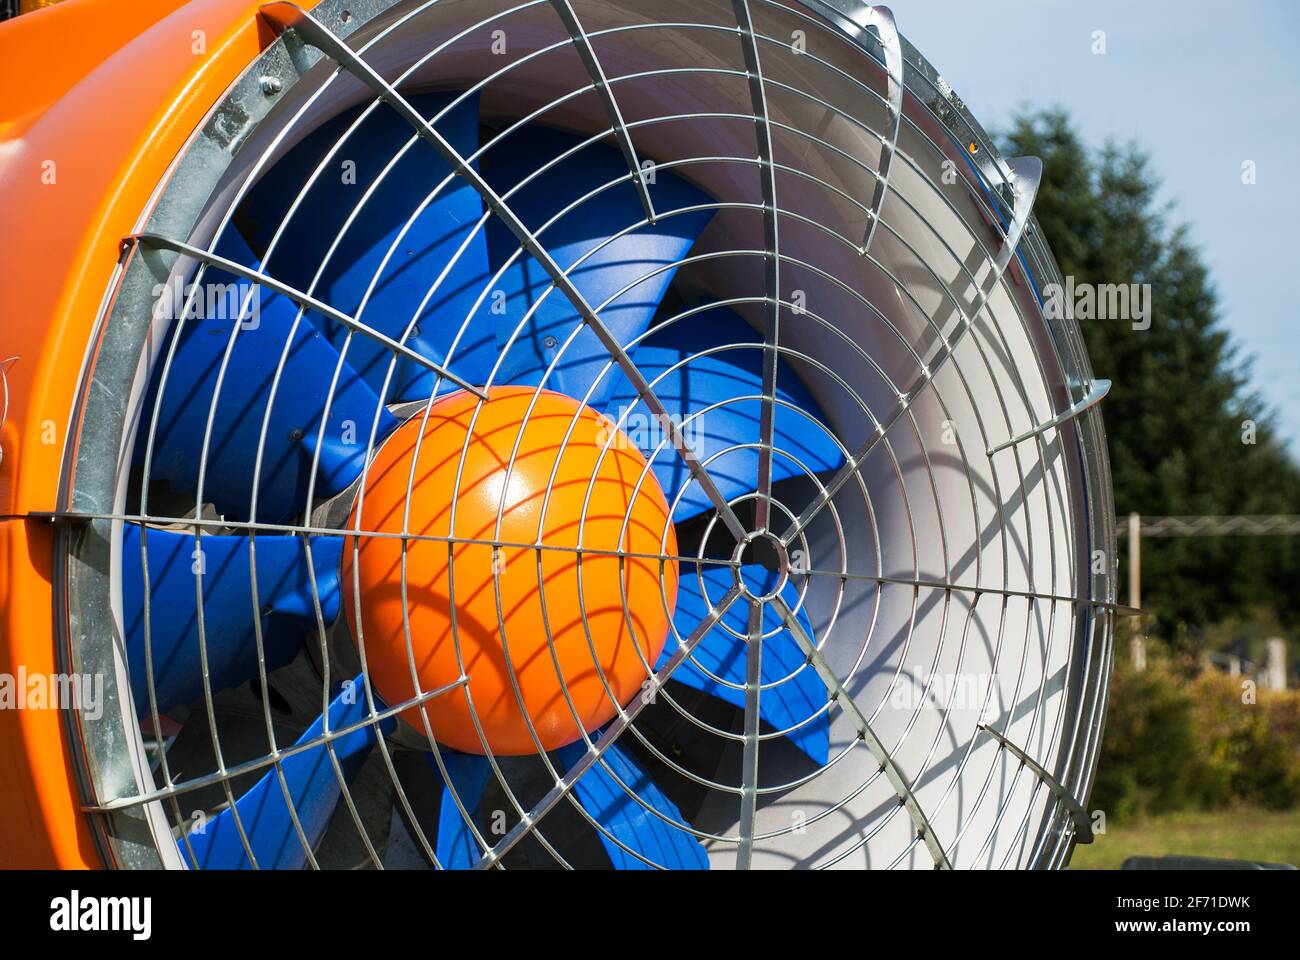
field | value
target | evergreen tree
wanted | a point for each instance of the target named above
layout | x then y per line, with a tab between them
1176	415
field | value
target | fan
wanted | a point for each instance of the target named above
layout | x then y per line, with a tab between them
564	433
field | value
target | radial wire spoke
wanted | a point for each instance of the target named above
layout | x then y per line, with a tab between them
609	738
303	300
1026	175
749	759
771	259
868	736
286	15
601	82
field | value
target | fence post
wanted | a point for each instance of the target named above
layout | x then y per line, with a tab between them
1139	642
1275	671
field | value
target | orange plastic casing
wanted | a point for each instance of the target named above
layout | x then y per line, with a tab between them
97	99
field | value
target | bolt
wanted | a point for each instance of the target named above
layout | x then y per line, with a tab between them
271	86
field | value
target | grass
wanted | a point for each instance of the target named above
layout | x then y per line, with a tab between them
1240	834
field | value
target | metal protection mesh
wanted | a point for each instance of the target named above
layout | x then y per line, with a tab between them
899	284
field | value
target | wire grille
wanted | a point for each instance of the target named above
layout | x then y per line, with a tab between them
900	285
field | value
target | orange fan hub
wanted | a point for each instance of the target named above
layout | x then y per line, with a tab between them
549	579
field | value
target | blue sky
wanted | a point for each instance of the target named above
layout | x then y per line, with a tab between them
1201	87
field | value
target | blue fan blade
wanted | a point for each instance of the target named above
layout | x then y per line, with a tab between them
636	828
285	600
295	414
313	787
621	263
429	239
456	847
723	655
718	378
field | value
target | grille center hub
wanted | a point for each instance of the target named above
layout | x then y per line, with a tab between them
762	565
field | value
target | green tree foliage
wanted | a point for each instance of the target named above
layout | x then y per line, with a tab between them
1175	415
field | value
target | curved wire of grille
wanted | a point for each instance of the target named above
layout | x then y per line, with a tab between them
1033	595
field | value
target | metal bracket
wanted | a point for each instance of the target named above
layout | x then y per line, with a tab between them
882	18
1098	392
4	384
1026	176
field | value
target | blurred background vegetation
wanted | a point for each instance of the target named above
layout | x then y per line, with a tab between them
1181	747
